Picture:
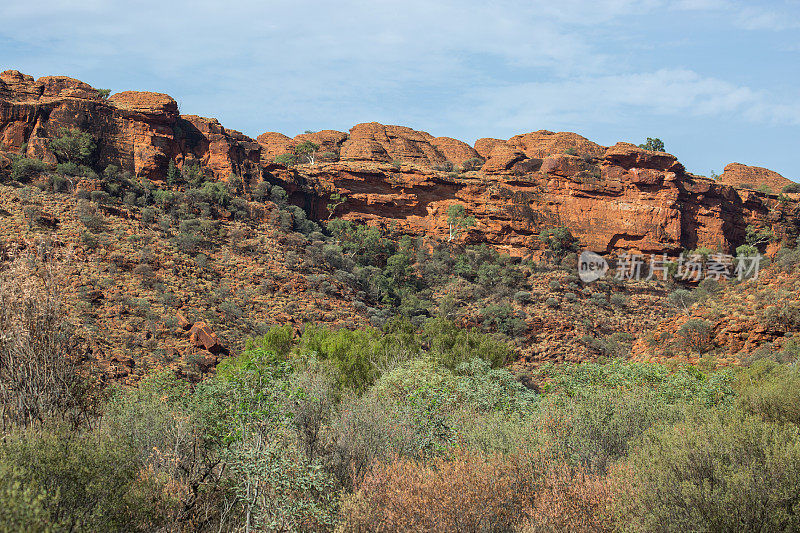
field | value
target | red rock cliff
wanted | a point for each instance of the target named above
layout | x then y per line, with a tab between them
621	197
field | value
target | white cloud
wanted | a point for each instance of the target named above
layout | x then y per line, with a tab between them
612	98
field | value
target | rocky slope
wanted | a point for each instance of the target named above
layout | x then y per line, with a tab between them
612	198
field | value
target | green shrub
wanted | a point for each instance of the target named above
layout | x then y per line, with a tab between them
770	390
24	169
619	300
716	471
523	297
615	345
286	160
503	318
75	483
73	146
653	144
791	188
696	334
451	345
559	240
216	192
599	426
474	163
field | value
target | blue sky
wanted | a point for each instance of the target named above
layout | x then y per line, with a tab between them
717	80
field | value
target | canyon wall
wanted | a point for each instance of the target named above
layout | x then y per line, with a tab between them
612	198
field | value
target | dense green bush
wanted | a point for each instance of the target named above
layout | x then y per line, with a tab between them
717	471
696	334
24	169
73	146
68	482
559	241
770	390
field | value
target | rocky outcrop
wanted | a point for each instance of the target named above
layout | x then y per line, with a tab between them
485	146
272	145
627	199
543	143
376	142
327	140
617	198
455	151
201	336
753	177
138	131
502	157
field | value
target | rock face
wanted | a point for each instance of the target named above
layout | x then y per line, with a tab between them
616	198
543	143
485	146
272	145
626	199
376	142
753	177
138	131
455	151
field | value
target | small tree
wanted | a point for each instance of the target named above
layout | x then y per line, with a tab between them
560	240
336	200
307	151
457	220
653	144
757	237
73	146
286	159
697	334
172	173
38	373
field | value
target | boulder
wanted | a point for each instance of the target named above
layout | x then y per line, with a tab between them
485	146
454	150
201	336
543	143
502	158
183	322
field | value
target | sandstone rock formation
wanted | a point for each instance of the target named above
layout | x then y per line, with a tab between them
139	131
485	146
616	198
455	151
753	177
201	336
273	144
543	143
376	142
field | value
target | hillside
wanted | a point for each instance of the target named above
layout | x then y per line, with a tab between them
172	220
